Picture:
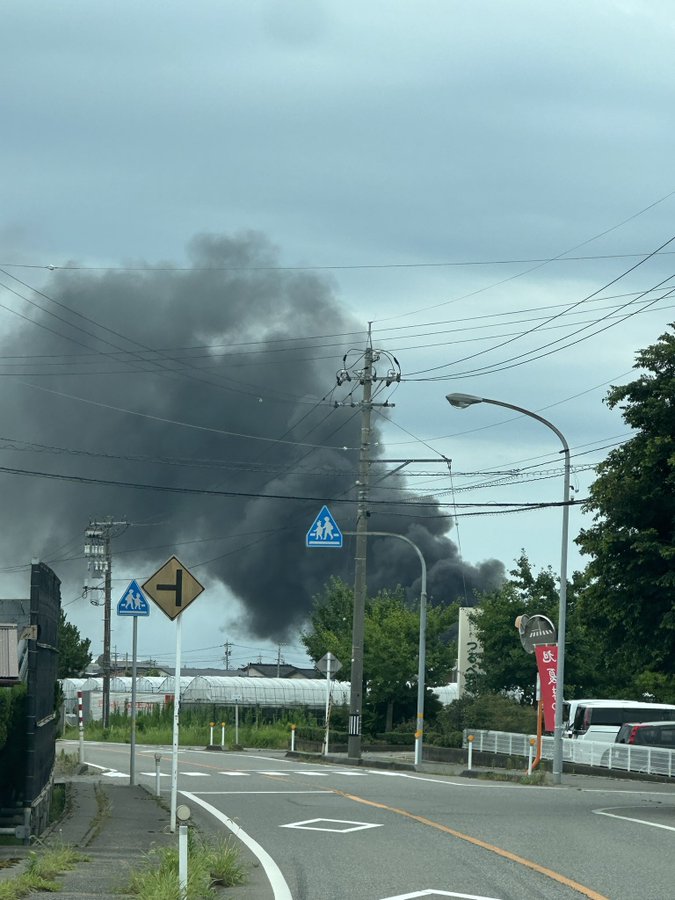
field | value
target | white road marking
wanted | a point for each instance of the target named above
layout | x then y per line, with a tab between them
236	774
196	774
311	825
435	893
229	793
604	812
277	881
154	774
113	774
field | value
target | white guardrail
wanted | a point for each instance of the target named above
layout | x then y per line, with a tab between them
622	757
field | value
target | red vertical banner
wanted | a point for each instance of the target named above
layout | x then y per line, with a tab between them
547	664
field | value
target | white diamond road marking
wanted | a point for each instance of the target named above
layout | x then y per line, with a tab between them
311	825
115	775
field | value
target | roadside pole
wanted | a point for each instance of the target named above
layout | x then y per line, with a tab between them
173	588
176	718
133	604
80	724
134	652
328	662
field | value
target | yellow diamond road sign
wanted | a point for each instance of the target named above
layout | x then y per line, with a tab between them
172	588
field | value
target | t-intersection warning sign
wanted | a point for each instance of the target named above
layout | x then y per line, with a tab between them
324	531
132	602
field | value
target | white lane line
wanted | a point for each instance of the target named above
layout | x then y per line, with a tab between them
196	774
604	812
236	774
277	881
230	793
154	774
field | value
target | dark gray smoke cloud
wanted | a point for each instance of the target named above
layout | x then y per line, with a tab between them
230	347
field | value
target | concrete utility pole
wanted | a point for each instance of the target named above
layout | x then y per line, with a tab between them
227	650
97	549
367	376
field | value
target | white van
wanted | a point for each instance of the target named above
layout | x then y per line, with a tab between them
570	710
600	720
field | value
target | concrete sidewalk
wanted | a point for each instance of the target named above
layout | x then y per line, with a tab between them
116	827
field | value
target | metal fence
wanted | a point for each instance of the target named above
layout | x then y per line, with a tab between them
619	757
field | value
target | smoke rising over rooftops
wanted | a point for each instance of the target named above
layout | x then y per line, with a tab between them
207	378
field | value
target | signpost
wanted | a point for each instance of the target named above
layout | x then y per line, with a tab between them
173	588
538	636
329	665
133	603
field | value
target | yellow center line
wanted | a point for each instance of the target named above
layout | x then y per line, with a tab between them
543	870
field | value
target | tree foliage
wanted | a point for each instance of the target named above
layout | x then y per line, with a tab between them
74	655
390	647
631	542
505	665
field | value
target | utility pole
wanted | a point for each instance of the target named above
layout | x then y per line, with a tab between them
367	376
227	650
97	548
279	661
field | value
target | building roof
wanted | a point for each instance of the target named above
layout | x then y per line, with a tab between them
274	670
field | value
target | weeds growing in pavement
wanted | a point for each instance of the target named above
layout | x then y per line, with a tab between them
210	862
41	871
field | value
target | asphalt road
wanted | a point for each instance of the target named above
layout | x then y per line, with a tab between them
331	832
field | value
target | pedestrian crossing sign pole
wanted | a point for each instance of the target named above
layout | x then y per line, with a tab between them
324	531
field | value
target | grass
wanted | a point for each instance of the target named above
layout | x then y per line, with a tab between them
210	862
268	737
40	874
66	763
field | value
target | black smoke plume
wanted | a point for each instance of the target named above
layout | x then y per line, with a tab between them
161	376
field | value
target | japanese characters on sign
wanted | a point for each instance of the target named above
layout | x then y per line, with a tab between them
547	666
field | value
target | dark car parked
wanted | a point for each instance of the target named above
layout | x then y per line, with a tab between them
651	734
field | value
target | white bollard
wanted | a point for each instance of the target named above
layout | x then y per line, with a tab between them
293	727
158	760
211	726
529	756
470	759
183	860
222	735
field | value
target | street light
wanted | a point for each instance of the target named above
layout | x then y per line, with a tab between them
462	401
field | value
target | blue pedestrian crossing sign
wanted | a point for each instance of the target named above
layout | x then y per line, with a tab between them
324	531
133	602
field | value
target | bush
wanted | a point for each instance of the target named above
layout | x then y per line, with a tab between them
400	738
493	712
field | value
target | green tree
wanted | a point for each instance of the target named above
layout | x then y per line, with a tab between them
630	598
390	647
74	655
505	665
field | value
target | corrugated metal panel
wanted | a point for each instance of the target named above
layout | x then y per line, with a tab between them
9	660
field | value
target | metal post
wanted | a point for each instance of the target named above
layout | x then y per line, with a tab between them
80	724
236	723
462	401
293	727
212	725
469	761
421	663
356	694
222	735
529	756
107	602
328	662
176	719
134	655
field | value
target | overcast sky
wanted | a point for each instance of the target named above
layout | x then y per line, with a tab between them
484	182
